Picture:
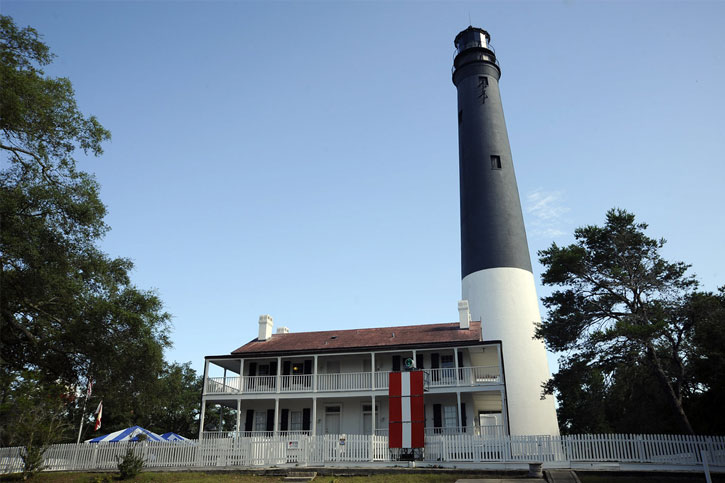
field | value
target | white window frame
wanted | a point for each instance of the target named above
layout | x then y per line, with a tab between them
339	412
363	411
260	417
448	418
295	414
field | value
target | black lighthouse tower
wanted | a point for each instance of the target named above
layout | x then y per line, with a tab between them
497	279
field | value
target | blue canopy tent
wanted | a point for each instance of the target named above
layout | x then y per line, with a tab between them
173	437
128	434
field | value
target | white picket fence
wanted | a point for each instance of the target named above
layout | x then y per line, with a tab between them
302	449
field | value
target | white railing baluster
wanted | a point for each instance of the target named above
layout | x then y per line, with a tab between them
261	449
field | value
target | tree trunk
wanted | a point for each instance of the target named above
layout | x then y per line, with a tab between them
675	402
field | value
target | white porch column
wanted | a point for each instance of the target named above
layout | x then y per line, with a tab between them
460	416
314	410
373	415
203	413
239	414
279	372
276	416
221	418
224	381
504	413
314	377
241	375
203	401
458	379
372	436
206	375
501	375
372	371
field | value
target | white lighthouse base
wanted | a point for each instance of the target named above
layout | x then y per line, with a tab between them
505	301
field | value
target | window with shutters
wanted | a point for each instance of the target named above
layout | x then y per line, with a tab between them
450	418
295	421
260	421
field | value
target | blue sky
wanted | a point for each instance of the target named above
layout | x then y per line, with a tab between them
300	158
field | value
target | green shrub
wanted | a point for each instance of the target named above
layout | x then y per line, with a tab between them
130	465
32	460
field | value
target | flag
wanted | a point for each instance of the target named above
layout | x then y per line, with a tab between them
90	388
98	414
405	410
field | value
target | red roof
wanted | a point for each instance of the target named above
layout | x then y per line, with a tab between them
345	340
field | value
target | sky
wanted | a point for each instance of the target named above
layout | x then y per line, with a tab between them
300	159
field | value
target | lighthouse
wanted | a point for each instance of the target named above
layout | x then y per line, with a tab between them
497	279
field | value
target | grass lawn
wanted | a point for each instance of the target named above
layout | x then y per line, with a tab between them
192	477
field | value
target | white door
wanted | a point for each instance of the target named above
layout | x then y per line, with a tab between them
367	423
332	420
367	420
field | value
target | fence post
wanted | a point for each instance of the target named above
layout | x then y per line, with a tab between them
640	449
706	466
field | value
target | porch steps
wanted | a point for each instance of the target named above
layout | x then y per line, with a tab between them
300	476
561	476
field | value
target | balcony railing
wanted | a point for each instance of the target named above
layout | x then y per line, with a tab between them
493	431
216	385
297	383
348	381
381	380
251	434
260	383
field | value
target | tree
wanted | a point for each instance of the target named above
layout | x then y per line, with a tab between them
67	310
33	416
620	306
705	312
178	401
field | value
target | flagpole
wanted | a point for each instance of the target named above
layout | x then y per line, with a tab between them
83	411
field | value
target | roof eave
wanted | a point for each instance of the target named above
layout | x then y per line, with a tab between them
333	350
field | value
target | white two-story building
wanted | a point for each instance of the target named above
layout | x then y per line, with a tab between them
336	382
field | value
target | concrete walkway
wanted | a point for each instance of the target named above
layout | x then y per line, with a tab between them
502	480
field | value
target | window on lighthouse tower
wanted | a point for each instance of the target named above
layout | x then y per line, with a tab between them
495	162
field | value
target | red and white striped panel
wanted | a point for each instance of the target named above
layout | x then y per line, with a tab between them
405	410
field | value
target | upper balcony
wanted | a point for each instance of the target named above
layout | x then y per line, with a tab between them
348	381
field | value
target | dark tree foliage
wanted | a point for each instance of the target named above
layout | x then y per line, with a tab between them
67	310
220	418
179	401
630	326
705	312
168	402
